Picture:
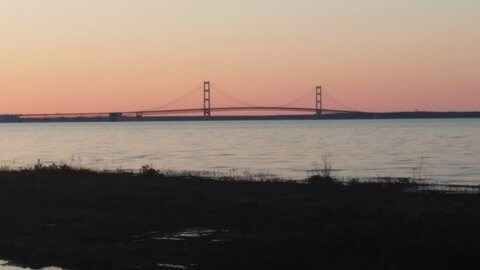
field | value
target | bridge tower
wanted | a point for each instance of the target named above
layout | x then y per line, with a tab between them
319	105
206	99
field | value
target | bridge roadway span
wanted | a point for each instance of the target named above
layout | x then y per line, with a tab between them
182	111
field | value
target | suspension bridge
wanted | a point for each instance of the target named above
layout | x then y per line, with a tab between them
206	111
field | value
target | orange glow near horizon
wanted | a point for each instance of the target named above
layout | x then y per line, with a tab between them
84	56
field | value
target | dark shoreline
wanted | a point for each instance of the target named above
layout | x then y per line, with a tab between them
337	116
80	219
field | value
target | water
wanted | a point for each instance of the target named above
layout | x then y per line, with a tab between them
445	150
4	265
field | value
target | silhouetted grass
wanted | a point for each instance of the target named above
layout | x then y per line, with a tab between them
82	219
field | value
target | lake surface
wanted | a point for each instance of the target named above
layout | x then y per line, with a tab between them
446	150
5	266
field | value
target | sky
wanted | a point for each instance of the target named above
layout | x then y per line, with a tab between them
116	55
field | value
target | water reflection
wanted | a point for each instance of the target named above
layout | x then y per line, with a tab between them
171	266
360	148
4	265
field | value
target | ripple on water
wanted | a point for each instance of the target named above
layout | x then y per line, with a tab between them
172	266
361	148
5	265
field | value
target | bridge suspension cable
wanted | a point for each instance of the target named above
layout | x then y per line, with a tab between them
232	97
248	105
338	102
310	92
224	93
179	99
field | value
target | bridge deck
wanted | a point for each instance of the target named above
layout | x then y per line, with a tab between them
179	111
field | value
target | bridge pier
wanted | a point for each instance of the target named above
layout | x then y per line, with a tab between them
319	105
206	99
115	117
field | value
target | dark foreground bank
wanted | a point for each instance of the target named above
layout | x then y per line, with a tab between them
87	220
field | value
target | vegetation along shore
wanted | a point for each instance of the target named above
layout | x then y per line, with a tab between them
83	219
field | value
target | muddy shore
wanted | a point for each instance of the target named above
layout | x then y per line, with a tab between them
79	219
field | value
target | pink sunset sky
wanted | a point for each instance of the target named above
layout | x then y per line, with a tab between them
112	55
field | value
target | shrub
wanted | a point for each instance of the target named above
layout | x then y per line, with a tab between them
148	170
322	174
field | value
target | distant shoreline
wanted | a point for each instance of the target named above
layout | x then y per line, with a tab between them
338	116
